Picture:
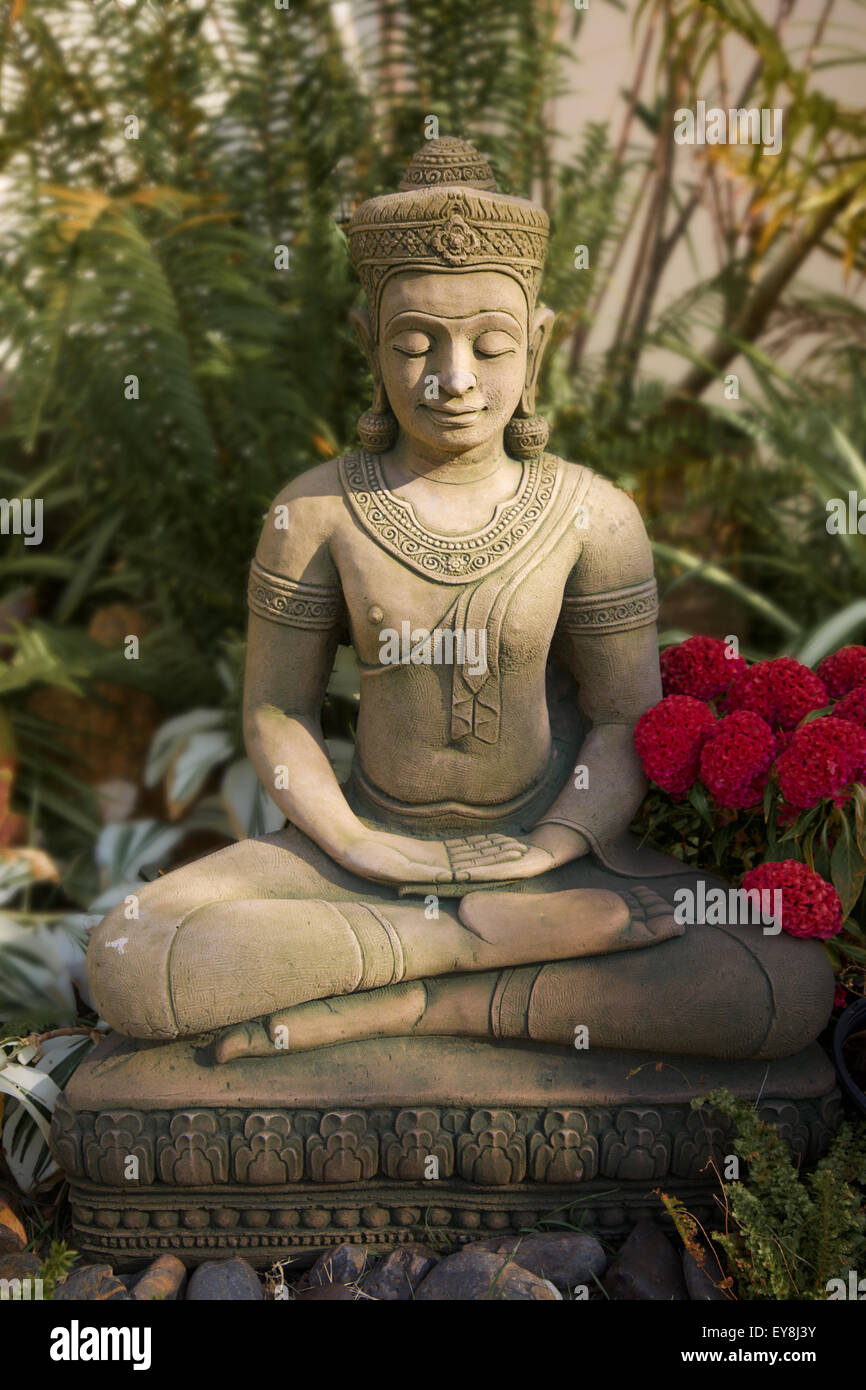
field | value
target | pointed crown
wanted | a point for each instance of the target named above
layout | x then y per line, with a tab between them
448	216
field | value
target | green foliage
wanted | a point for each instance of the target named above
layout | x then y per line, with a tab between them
788	1235
56	1266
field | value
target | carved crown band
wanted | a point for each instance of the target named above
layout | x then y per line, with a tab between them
448	228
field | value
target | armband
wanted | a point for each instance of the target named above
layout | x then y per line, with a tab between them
617	610
316	607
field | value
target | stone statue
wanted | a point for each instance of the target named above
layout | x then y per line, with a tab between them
475	876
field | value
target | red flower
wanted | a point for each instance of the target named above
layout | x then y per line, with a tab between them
669	739
700	667
810	905
822	760
844	669
782	691
853	707
736	759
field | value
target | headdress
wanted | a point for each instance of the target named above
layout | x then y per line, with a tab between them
448	216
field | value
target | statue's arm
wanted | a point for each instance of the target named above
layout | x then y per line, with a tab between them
607	636
297	613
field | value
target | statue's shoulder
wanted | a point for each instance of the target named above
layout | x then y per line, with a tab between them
300	523
605	500
615	549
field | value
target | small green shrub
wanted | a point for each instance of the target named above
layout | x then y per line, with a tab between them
788	1235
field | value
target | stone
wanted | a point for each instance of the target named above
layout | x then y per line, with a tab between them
13	1236
702	1284
475	1275
224	1280
319	1293
646	1268
93	1283
164	1279
344	1264
565	1258
21	1265
399	1273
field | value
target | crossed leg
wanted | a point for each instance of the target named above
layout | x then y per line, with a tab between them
263	929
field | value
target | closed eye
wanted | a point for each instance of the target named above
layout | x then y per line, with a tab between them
412	343
495	344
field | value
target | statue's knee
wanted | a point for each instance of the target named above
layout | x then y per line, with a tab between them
127	965
802	985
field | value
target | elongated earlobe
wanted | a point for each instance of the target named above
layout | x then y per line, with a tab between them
526	433
377	427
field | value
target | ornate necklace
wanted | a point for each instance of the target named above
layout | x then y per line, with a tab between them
394	524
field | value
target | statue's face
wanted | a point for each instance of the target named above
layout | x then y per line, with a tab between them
466	332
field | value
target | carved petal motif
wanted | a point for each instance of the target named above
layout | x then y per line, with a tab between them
344	1150
268	1153
196	1155
568	1152
493	1152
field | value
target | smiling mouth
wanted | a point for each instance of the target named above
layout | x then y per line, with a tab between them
456	417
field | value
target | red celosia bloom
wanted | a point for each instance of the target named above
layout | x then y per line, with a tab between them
822	760
810	905
669	739
699	667
736	759
853	707
844	669
782	691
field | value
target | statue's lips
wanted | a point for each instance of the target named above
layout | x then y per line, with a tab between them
456	417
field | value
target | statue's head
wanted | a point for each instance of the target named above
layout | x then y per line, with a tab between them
451	270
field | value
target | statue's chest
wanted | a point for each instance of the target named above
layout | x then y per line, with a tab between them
517	606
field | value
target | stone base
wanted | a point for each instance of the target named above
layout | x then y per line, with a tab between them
433	1139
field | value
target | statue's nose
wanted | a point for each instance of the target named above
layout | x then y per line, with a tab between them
457	383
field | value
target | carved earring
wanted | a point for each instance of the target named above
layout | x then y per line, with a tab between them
377	431
526	436
377	427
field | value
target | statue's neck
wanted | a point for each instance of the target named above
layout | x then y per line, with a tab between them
407	461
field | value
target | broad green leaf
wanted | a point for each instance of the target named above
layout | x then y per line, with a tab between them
847	866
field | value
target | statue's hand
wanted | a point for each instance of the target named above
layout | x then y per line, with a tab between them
400	859
397	859
492	858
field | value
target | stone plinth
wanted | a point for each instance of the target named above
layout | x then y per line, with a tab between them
274	1157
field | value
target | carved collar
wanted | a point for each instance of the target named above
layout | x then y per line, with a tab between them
394	525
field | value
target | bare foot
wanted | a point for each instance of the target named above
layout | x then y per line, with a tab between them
250	1039
574	922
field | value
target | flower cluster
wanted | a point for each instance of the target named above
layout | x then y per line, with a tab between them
782	691
810	905
853	706
842	670
702	667
775	732
822	761
736	759
669	738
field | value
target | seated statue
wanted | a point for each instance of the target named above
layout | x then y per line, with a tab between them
474	877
